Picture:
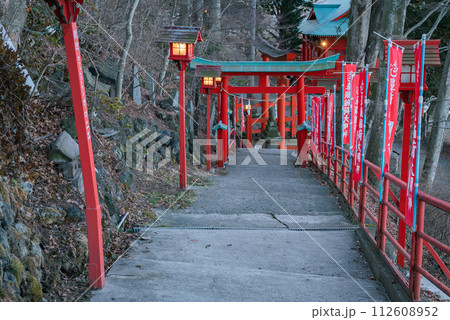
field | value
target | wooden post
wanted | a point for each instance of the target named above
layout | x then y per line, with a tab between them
249	128
301	116
264	81
336	167
382	217
417	252
281	108
343	172
225	118
220	162
404	170
363	197
208	130
93	212
293	110
183	173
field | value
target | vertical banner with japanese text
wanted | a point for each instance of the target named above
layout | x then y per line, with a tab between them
411	190
354	108
316	121
391	105
363	86
347	69
322	124
393	77
330	122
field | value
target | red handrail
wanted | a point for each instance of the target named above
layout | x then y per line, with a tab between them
343	181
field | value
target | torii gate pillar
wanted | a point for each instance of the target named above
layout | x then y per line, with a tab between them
264	81
223	133
301	117
281	110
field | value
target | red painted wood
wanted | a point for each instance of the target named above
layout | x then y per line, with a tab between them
208	131
182	117
224	104
93	214
407	103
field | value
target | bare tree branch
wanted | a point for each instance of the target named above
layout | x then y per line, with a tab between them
439	18
406	34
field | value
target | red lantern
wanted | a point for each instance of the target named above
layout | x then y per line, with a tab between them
209	82
182	51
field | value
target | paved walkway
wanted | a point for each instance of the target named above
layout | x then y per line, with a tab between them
259	233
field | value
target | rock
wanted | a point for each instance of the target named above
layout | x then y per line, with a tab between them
126	177
7	214
68	169
90	77
166	104
77	180
32	289
139	124
161	115
107	133
113	209
10	285
36	252
3	252
74	214
27	187
4	240
68	124
64	149
51	216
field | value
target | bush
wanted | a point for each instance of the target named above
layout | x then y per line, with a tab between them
15	112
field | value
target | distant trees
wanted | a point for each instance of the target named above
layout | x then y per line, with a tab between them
289	14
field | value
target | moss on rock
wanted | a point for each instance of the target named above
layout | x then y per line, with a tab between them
3	252
16	268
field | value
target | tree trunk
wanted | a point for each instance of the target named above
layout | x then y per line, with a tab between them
215	15
358	33
13	15
373	43
393	20
185	12
253	36
126	48
162	74
436	139
197	13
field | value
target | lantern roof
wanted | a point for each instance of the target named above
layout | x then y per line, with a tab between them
180	34
209	71
431	51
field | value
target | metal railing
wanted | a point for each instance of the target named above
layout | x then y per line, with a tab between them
356	194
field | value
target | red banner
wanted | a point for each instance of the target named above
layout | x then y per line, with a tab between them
393	86
355	108
330	123
316	121
409	211
346	103
322	123
360	130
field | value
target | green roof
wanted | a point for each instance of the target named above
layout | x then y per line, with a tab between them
325	24
270	66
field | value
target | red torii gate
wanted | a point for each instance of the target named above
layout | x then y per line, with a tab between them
263	70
